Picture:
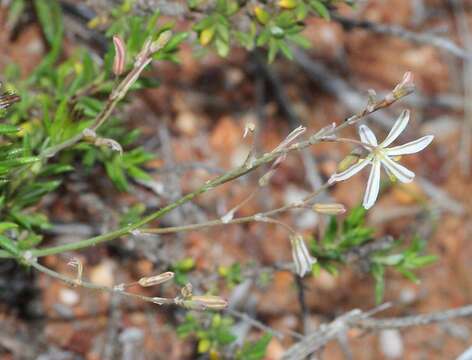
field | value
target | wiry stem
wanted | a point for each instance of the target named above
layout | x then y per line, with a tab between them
229	176
92	286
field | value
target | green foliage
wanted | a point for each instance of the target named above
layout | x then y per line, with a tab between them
274	25
215	28
342	238
254	350
278	31
59	99
404	262
181	269
231	274
213	334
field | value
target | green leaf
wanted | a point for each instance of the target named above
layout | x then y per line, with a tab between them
273	50
300	41
330	233
320	8
263	38
8	129
50	16
389	260
4	226
115	171
222	47
30	241
420	261
409	275
19	161
8	245
139	174
175	42
255	350
285	50
355	218
224	336
32	193
378	274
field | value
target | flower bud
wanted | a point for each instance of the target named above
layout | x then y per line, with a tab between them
301	256
249	127
348	161
110	143
329	209
204	302
120	56
156	279
405	87
161	41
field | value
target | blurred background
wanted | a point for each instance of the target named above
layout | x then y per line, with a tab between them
193	122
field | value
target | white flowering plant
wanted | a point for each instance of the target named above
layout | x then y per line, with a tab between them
380	155
47	140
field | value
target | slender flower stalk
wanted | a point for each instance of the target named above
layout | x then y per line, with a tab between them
324	134
380	154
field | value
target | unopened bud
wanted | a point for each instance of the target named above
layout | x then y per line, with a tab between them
89	134
226	218
156	280
326	133
76	263
205	302
112	144
348	161
265	179
405	87
329	209
290	137
372	99
161	41
301	255
249	127
120	56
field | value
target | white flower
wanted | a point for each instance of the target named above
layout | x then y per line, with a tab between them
301	256
381	155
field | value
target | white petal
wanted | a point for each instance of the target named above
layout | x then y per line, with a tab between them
301	256
397	128
373	185
367	136
399	171
411	147
346	174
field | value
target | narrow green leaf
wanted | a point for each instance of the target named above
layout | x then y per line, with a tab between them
8	129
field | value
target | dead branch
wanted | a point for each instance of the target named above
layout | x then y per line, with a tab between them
358	319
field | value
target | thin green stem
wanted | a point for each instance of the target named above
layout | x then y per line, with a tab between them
92	286
229	176
115	97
